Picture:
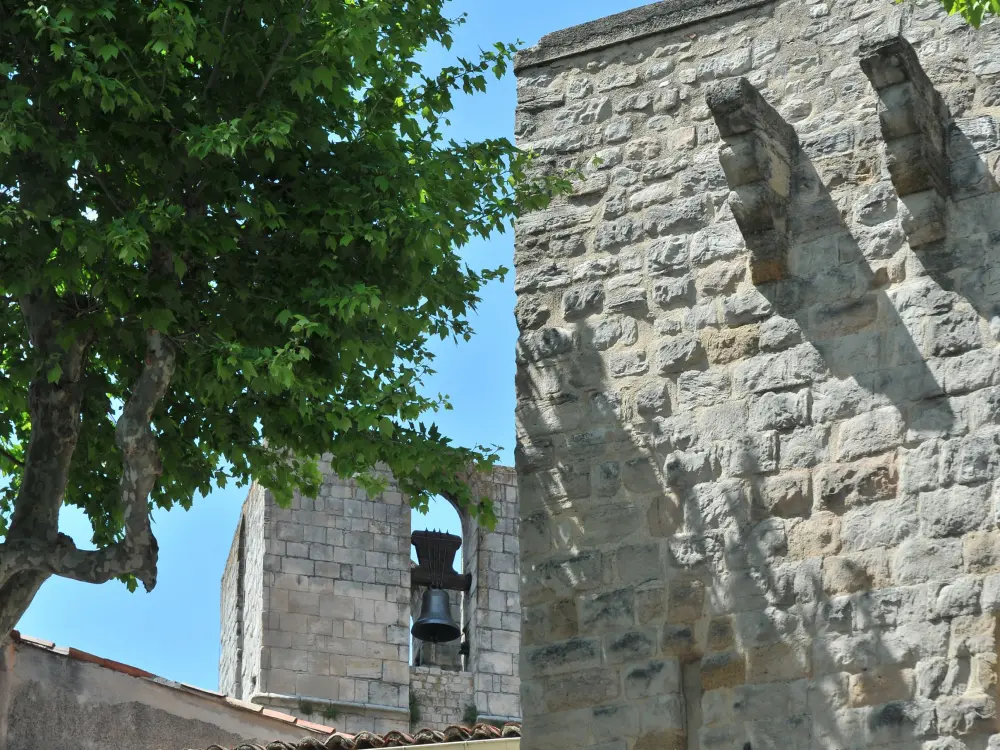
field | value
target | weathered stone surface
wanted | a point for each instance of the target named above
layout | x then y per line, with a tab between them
678	354
918	560
806	436
841	486
867	434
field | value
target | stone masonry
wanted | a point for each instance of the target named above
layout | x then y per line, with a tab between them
316	611
758	383
443	696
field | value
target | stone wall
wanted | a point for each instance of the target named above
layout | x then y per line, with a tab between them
65	698
255	618
231	617
493	605
443	696
337	606
757	380
242	601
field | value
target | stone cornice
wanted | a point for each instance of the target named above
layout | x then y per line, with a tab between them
627	27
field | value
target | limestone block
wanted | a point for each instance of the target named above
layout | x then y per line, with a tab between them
847	485
787	495
972	635
787	369
967	714
954	511
565	656
960	597
881	685
883	524
867	434
859	571
638	563
787	660
685	601
900	721
730	345
652	678
723	670
699	389
610	611
779	411
678	354
581	690
818	535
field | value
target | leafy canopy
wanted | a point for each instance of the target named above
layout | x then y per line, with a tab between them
289	157
973	11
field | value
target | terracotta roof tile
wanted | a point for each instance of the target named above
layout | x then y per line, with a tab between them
370	740
72	653
245	705
315	727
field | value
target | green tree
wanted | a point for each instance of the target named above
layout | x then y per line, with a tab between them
973	11
228	230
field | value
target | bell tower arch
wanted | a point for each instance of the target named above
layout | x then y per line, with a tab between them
316	622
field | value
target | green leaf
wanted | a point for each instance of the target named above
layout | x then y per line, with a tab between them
159	319
108	52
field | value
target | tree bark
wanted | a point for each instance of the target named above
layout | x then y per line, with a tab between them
7	662
34	549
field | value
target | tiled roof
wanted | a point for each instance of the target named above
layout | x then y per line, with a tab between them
72	653
366	740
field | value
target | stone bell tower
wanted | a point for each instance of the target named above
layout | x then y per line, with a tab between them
317	601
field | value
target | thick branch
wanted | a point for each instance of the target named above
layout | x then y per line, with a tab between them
54	408
135	554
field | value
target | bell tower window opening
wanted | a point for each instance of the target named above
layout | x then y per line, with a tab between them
437	587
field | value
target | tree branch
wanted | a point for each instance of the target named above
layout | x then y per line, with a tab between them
55	418
107	192
11	457
281	51
136	554
215	68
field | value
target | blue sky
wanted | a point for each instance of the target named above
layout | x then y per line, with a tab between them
174	631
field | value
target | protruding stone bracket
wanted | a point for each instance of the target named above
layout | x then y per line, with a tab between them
912	116
757	158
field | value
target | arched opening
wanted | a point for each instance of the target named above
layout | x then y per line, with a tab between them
442	515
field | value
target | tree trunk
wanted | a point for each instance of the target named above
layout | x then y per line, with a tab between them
34	549
7	659
15	596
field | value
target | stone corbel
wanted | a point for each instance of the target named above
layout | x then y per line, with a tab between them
912	116
757	156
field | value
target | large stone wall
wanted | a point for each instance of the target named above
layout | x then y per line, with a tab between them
757	380
242	601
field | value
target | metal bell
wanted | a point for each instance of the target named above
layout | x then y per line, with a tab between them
435	624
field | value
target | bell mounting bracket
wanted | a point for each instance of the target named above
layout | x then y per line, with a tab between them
436	562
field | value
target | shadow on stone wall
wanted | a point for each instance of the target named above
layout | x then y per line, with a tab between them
671	538
864	331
